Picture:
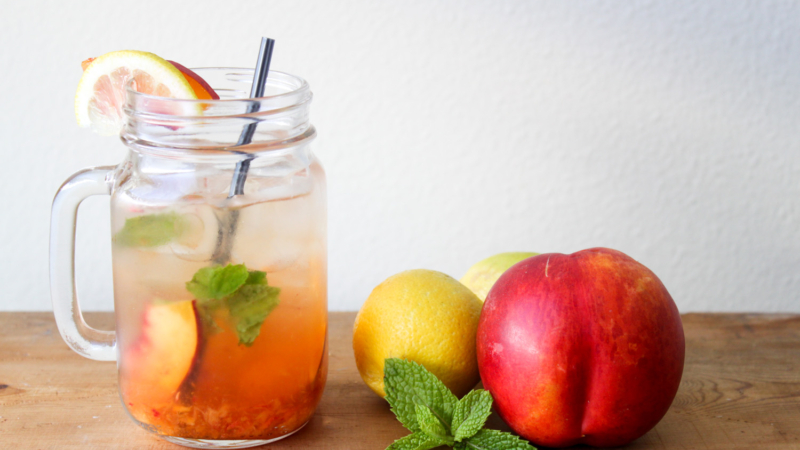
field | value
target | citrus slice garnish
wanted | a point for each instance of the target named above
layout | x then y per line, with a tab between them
101	91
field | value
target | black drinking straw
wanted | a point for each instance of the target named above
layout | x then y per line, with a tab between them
229	219
256	91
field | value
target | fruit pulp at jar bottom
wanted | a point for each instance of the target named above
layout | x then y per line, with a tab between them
180	378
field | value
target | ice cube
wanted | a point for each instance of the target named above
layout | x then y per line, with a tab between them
198	237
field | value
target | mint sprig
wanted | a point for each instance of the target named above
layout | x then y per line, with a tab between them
246	295
151	230
216	283
471	413
431	426
415	441
408	384
249	306
424	405
495	440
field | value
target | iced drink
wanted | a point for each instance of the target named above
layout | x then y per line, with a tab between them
221	350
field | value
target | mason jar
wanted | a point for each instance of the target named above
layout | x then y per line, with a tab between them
219	263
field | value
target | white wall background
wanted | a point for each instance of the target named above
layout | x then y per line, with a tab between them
453	130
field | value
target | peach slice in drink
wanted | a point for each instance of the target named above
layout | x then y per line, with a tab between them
164	354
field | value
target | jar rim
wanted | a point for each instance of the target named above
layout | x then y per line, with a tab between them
302	86
222	154
279	119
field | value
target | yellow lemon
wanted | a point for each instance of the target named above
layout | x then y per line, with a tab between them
481	277
423	316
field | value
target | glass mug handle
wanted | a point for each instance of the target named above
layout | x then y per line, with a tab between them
85	340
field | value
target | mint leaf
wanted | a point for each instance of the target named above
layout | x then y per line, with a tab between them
245	294
432	426
256	277
249	307
200	285
408	384
217	282
151	230
416	441
424	405
496	440
471	413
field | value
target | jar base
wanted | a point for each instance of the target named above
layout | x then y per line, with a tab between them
225	444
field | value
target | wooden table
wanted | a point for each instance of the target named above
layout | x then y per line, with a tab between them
740	390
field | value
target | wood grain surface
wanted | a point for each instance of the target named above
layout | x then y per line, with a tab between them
740	390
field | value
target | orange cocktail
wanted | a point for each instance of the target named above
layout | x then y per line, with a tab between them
233	351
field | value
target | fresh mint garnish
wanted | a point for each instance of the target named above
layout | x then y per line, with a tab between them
415	441
249	307
408	384
494	439
471	413
244	293
151	230
430	425
216	283
424	405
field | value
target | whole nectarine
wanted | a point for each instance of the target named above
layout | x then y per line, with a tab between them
582	348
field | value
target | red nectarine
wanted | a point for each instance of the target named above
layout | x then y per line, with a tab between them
582	348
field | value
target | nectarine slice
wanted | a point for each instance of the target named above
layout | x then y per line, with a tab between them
166	350
201	88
